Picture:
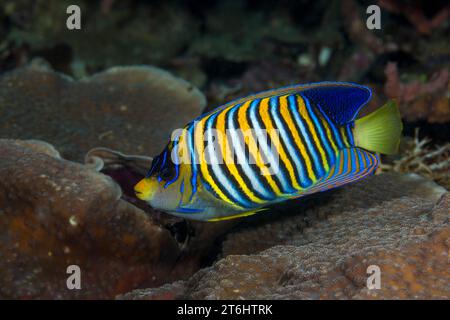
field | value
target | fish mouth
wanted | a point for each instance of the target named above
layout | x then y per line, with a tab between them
145	189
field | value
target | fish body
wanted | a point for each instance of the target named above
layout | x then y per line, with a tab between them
269	147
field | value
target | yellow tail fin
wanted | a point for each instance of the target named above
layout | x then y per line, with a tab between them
380	131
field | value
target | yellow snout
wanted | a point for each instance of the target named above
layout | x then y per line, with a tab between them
145	189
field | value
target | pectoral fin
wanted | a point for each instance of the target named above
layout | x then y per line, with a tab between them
239	215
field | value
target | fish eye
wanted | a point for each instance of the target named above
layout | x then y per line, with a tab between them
167	172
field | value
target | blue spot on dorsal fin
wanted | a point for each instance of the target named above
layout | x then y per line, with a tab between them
340	101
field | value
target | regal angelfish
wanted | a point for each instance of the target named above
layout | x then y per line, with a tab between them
312	143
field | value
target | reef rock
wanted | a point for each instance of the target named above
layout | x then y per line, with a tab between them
322	248
55	213
131	109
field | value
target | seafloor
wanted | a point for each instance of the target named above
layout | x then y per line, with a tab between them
137	70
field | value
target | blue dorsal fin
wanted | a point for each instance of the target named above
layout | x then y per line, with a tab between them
341	101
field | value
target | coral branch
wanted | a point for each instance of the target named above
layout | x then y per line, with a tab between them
427	101
419	158
415	15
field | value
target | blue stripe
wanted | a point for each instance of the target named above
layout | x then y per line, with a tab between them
164	159
361	157
255	179
162	164
177	174
345	176
152	168
253	105
221	177
188	210
353	163
318	125
190	136
306	137
350	134
344	165
267	155
337	137
274	107
368	159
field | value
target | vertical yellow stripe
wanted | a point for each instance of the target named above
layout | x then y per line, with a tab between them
304	113
253	148
357	155
226	150
264	113
326	125
288	119
183	151
344	137
185	169
199	144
